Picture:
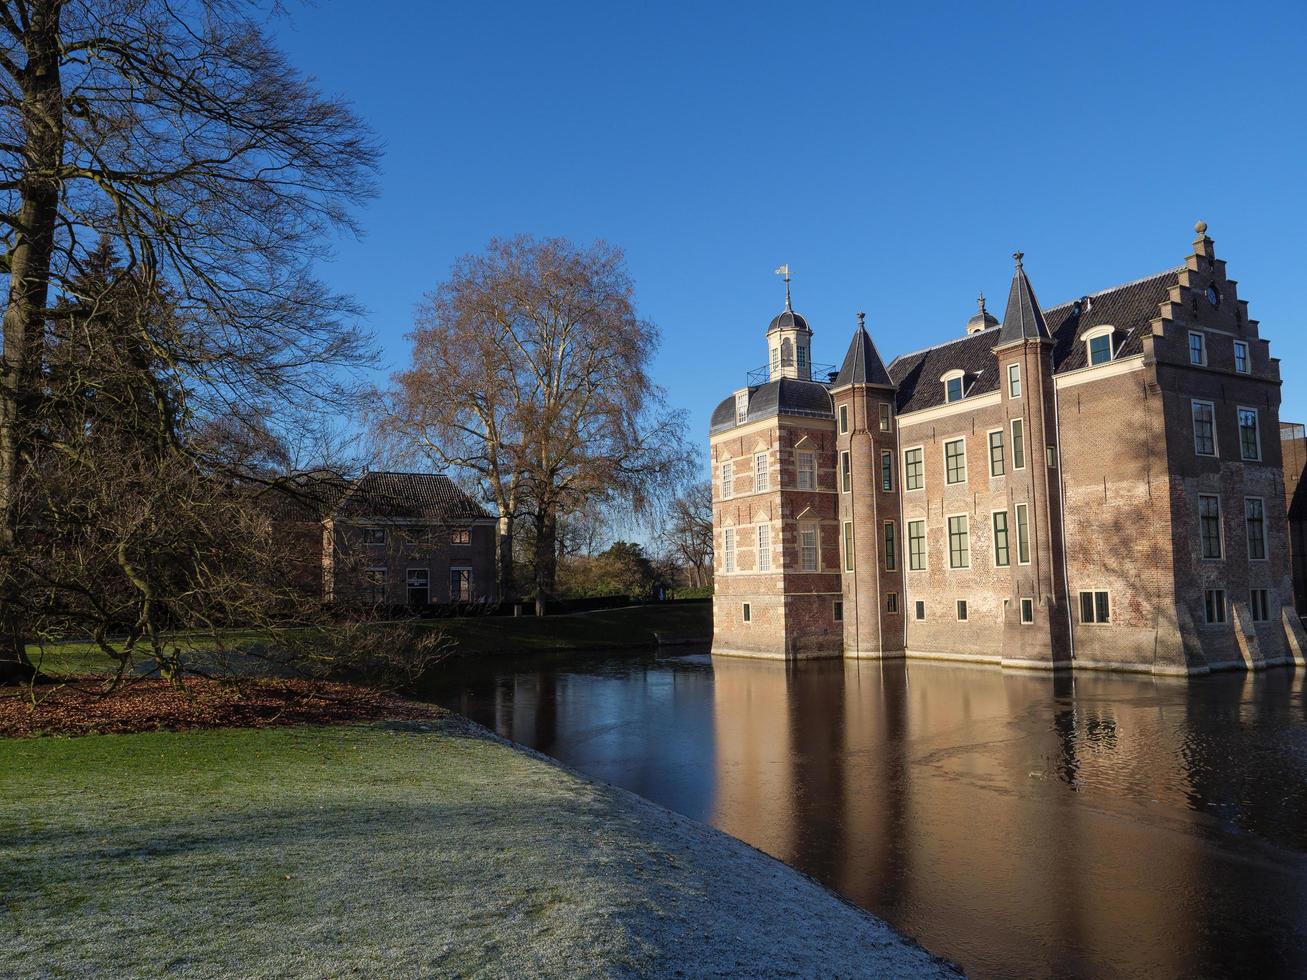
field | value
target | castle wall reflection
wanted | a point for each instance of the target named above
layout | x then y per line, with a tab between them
1016	823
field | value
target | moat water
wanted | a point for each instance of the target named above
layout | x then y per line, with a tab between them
1018	824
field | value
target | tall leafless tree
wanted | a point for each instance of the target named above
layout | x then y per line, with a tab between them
531	373
687	533
175	131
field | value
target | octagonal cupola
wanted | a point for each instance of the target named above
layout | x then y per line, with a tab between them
789	341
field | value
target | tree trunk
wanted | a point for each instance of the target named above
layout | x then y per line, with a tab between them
545	561
29	283
507	587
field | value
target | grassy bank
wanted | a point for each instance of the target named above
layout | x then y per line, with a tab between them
632	627
394	849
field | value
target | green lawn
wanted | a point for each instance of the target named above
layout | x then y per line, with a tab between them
402	849
635	626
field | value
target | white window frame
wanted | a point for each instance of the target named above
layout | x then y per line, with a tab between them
1220	527
1242	345
746	613
919	610
1027	602
728	551
844	419
886	469
1202	348
805	528
375	530
846	472
1020	518
989	448
806	467
961	610
762	537
742	408
944	457
1257	432
948	540
961	378
408	581
1014	380
1019	422
847	545
891	604
837	610
460	537
1214	615
1193	424
1266	545
1106	330
885	416
1093	602
889	536
925	545
1007	537
728	479
921	451
761	474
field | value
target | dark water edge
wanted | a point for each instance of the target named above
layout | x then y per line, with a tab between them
1020	824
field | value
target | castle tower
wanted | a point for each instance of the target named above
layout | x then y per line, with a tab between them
866	473
1036	631
789	341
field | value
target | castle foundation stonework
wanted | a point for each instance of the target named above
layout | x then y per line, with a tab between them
1096	485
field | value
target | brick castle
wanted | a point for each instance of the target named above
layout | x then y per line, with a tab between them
1093	485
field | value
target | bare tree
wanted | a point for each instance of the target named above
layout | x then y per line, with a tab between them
174	130
530	371
688	532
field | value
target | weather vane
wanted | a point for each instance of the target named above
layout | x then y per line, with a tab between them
784	270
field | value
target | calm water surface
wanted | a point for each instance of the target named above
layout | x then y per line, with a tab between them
1018	824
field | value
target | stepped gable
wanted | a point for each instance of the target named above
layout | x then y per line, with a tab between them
1129	307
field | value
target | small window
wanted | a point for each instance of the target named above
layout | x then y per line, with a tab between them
1209	526
884	416
953	389
997	462
1197	349
746	612
959	543
914	472
892	603
741	408
1050	453
460	535
808	547
728	480
846	473
803	356
920	609
1100	349
1027	610
1002	555
1018	444
761	479
1095	607
764	547
1014	380
837	610
807	470
1241	357
916	546
1213	295
962	610
891	554
1254	511
1250	442
728	550
374	584
1023	534
955	461
848	546
886	470
419	586
775	359
460	585
374	535
1204	428
1214	606
1260	601
844	419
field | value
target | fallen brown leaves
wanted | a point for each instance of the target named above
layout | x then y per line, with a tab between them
81	708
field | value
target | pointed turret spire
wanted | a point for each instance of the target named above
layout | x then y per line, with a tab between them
1023	319
862	364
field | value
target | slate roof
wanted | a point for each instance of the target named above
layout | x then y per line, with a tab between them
1023	319
1128	307
787	319
784	396
862	364
407	496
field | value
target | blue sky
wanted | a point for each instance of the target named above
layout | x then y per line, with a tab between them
894	156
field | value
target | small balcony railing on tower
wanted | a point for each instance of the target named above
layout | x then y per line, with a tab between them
824	373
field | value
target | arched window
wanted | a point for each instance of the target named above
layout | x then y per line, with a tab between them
1100	344
787	352
955	385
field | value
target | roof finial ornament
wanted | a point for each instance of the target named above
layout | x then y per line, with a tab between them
784	270
1018	255
980	302
1201	228
862	320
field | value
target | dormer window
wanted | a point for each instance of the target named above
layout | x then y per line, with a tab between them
1099	345
955	386
741	408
